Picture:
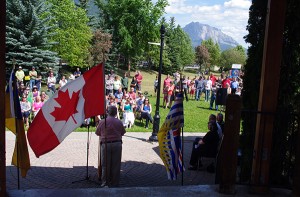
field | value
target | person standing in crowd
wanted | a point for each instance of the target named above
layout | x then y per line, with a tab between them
213	98
226	83
167	81
25	110
146	110
111	131
139	78
33	76
185	87
208	88
77	73
155	84
116	85
20	76
38	82
192	89
213	79
133	83
124	82
199	88
109	84
51	80
234	86
63	81
170	95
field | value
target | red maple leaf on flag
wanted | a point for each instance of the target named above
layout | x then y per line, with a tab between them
68	106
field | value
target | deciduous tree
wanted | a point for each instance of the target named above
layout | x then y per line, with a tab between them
72	33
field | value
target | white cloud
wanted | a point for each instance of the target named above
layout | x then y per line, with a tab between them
231	16
244	4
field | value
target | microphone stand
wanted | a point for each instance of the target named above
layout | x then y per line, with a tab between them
87	177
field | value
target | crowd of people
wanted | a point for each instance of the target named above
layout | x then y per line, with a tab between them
31	95
131	104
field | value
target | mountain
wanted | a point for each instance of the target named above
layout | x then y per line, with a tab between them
199	32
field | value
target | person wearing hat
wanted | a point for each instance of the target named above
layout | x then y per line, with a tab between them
20	76
33	76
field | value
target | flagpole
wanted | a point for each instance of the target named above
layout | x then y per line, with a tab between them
2	101
105	116
182	143
14	88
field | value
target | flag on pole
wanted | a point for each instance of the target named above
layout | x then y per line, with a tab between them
66	110
170	145
14	122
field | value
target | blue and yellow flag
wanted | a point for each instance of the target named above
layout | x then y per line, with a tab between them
14	122
170	145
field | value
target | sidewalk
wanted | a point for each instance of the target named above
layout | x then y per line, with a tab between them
142	170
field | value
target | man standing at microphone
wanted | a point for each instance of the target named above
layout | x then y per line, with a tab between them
111	131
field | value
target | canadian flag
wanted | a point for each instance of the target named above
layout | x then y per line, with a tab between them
66	110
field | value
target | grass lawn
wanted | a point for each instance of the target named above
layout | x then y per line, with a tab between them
196	113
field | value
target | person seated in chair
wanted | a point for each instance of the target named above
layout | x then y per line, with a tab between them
146	110
205	147
221	123
139	101
128	116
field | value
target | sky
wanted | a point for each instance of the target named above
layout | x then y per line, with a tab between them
230	16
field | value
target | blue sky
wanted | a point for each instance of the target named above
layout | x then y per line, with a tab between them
230	16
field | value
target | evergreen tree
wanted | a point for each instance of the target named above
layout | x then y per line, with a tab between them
27	35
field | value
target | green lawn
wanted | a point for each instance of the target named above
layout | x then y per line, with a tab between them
196	113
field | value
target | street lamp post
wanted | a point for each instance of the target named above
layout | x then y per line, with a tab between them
156	117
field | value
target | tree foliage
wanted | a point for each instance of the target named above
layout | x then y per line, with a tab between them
179	48
231	56
133	24
213	49
72	33
202	56
101	45
27	34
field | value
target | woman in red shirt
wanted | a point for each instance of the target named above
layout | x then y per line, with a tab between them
170	94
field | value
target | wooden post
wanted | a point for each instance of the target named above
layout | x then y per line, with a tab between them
2	100
296	179
270	75
227	158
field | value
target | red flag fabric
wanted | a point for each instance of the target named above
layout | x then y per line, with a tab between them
66	110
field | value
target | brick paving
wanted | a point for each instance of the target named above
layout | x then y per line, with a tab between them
141	164
142	172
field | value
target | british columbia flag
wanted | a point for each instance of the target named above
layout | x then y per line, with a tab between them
170	145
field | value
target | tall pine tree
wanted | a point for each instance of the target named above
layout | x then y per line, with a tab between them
27	34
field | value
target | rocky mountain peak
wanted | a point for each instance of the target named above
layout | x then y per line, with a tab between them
199	32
